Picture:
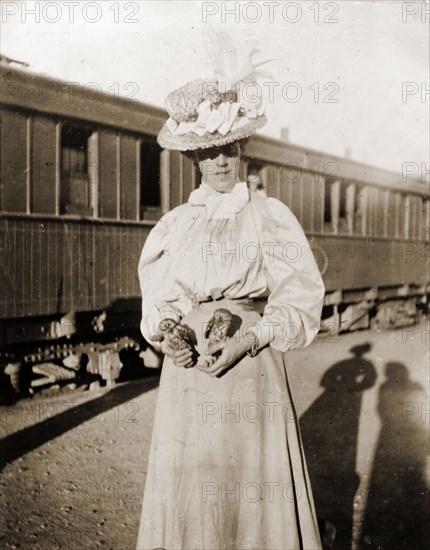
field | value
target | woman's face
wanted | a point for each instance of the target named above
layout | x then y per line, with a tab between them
220	166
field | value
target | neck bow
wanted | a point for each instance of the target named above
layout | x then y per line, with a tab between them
220	206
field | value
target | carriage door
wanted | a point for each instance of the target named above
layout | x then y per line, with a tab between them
76	153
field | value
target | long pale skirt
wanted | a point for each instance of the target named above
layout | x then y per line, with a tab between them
226	467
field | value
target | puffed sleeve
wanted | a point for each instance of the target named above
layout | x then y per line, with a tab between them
291	318
159	301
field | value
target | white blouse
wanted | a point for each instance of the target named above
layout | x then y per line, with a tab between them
235	246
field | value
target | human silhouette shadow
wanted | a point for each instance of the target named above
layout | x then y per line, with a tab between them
23	441
329	430
398	507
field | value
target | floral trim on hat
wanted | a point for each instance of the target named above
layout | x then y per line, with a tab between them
217	111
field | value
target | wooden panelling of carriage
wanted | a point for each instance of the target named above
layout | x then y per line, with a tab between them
368	230
83	181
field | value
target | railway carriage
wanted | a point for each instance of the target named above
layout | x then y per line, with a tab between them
83	181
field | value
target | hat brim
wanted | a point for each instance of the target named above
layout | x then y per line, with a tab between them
192	141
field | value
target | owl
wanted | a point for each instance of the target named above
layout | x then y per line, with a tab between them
217	330
177	336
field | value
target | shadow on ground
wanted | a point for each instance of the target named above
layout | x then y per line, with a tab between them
398	507
23	441
397	513
329	430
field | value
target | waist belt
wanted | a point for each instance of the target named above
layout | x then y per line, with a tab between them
241	304
215	295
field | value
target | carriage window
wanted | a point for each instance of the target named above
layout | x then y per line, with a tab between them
75	197
197	176
328	203
405	233
425	220
360	210
339	206
342	202
150	186
391	213
331	206
350	207
254	177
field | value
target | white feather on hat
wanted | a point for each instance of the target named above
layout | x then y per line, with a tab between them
233	63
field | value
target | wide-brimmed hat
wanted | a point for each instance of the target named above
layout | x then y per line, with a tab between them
213	112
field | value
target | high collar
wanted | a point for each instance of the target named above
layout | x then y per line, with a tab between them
220	205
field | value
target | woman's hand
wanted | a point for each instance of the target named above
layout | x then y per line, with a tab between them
232	351
183	358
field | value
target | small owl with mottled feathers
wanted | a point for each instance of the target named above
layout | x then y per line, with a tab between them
177	336
217	330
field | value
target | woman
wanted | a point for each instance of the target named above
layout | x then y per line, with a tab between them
226	467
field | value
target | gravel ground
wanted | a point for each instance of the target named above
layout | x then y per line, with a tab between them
76	480
73	464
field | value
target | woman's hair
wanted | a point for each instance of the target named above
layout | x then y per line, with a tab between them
211	153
